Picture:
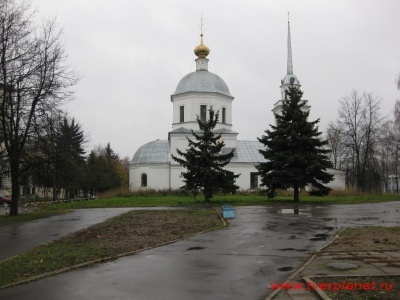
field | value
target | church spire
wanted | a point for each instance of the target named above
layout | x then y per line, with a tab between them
289	51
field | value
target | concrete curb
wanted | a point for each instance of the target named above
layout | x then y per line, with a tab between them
317	290
276	292
100	260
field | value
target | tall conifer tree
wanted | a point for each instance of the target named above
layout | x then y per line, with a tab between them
294	151
204	162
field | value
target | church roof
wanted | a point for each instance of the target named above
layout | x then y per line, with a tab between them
155	152
158	152
202	81
247	152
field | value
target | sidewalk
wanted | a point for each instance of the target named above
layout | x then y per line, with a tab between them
365	263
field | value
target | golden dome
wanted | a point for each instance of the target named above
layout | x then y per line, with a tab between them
201	50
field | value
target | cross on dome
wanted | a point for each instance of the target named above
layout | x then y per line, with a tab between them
201	50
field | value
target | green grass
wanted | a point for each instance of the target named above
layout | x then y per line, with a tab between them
237	200
132	231
153	200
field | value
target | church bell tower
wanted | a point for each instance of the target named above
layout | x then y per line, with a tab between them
289	80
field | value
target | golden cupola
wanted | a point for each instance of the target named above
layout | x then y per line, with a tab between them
201	50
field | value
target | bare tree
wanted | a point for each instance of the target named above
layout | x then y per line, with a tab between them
335	139
398	82
33	79
360	120
395	141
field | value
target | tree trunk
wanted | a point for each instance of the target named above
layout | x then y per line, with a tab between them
207	196
14	188
296	196
397	166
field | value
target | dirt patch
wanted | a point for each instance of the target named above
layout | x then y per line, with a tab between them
140	229
367	239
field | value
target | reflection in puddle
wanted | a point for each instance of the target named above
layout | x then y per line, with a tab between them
295	211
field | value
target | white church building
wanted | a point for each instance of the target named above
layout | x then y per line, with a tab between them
152	166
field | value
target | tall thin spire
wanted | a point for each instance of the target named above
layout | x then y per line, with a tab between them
289	53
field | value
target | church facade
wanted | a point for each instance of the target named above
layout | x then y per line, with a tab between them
152	166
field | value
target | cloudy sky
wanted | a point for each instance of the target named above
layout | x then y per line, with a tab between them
132	54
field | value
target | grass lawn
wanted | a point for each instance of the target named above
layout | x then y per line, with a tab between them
153	200
133	231
237	200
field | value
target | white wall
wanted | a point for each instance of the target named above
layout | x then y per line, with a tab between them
339	179
192	102
157	176
164	176
244	169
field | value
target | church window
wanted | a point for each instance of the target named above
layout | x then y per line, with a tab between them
224	115
203	113
253	180
144	180
181	114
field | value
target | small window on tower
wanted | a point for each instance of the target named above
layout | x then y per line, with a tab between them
181	114
224	115
203	113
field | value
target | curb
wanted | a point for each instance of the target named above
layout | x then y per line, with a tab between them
276	292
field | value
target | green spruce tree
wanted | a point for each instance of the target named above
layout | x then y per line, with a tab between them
294	152
204	162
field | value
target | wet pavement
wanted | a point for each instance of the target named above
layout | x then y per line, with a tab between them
262	245
19	237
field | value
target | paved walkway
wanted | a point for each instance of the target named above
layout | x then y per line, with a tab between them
262	245
19	237
368	263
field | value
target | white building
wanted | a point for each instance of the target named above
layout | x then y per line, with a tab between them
152	166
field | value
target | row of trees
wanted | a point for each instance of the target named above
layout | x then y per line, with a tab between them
39	144
366	144
56	159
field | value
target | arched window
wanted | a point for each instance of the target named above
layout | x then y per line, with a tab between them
144	180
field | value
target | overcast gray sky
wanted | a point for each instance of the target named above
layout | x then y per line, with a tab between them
132	54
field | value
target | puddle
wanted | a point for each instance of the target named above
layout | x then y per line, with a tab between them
330	228
285	269
320	237
367	218
292	249
195	248
295	211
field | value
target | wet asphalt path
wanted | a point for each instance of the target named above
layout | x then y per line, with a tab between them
262	245
19	237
